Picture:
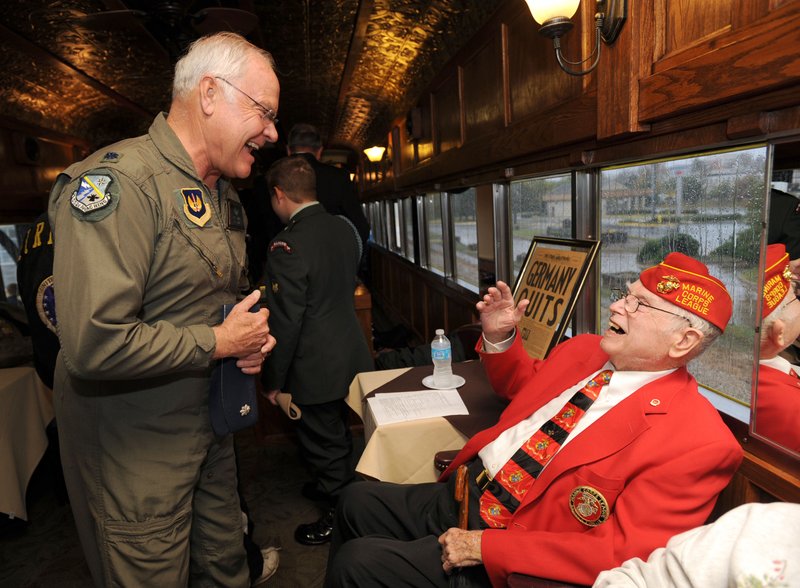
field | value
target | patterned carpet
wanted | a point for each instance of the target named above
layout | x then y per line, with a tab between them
45	552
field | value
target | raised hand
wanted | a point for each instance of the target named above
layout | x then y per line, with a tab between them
499	315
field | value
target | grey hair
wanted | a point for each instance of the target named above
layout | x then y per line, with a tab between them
710	332
221	54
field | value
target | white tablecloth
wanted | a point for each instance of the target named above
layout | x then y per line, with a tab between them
399	452
26	408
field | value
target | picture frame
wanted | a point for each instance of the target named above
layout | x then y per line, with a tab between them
552	277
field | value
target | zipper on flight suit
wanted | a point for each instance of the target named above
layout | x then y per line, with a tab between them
194	246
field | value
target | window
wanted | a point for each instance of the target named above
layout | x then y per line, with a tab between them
465	238
408	228
11	237
539	207
710	207
434	232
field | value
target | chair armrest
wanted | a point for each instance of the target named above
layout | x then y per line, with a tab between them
443	459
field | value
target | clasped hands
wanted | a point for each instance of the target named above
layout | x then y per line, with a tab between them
245	335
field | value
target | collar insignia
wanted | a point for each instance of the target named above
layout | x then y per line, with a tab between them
589	506
669	284
111	157
195	207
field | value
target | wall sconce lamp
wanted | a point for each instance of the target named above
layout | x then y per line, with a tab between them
555	15
375	154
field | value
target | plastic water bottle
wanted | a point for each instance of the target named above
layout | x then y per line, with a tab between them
442	356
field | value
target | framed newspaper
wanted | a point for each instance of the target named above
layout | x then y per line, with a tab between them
552	277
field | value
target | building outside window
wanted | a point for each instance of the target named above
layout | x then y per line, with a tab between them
465	238
540	207
709	207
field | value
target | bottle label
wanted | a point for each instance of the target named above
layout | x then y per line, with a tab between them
440	354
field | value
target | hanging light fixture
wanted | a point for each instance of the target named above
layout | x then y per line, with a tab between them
375	153
555	15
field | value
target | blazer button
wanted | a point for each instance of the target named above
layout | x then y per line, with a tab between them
655	402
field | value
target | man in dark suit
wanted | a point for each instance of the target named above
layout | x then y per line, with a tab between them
335	191
311	277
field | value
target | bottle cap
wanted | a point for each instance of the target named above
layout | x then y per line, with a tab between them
440	331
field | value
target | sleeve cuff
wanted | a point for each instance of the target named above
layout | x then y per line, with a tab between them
500	346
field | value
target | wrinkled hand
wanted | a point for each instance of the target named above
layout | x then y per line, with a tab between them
499	316
460	548
245	335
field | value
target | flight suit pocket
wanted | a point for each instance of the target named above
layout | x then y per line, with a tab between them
203	254
153	552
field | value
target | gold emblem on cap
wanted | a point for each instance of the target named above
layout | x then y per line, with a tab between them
787	273
589	506
669	284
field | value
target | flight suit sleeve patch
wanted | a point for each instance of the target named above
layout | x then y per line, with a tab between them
195	206
96	196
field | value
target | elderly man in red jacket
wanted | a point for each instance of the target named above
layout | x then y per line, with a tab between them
778	395
606	450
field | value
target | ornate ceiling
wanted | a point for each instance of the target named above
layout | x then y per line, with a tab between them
95	70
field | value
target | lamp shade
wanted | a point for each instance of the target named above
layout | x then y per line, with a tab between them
375	153
544	10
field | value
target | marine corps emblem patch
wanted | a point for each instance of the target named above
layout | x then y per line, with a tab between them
589	506
195	207
668	284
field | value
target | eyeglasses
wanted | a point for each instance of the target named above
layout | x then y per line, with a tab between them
632	303
267	114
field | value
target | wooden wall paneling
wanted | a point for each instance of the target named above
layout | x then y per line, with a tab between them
739	63
621	67
483	102
437	316
570	122
746	11
688	21
536	82
447	114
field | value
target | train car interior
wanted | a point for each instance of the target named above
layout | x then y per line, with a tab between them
469	128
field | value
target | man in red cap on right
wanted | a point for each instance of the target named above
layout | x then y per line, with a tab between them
606	450
778	394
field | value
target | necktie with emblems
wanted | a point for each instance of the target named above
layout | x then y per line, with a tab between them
503	494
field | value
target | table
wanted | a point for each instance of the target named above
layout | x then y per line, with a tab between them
403	452
26	408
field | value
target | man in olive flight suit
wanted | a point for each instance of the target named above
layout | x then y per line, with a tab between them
149	244
311	273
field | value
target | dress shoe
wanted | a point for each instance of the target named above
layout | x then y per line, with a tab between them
271	559
311	492
317	533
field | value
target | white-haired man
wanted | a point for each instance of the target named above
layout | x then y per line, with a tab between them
150	244
605	451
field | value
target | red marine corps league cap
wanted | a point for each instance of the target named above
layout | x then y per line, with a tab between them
777	278
686	283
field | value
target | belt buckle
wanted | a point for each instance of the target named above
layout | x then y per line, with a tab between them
483	479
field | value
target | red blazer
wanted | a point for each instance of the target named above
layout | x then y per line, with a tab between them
659	459
778	407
